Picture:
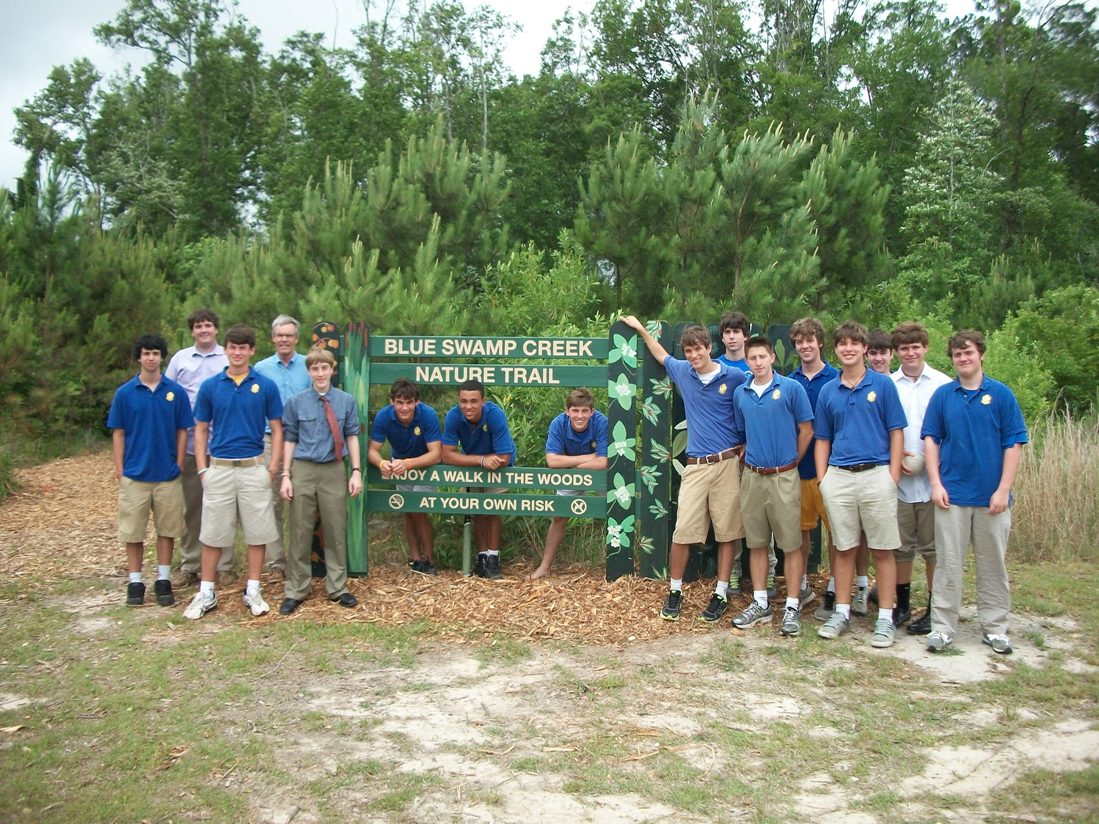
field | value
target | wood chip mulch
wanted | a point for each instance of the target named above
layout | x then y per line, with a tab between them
61	524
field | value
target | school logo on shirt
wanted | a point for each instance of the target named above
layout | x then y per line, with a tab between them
776	395
986	400
593	444
255	388
721	390
484	427
416	430
171	396
872	396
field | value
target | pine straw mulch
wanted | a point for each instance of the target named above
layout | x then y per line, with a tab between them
61	524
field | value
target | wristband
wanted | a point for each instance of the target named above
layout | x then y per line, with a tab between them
356	469
201	471
482	462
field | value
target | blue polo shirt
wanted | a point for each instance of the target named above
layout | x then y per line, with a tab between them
973	427
741	364
709	407
291	378
151	421
238	414
562	439
768	424
406	441
858	421
807	469
489	436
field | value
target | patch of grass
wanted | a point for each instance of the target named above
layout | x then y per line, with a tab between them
728	655
504	650
1057	796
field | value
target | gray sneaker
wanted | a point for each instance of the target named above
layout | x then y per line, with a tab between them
200	605
937	641
835	626
806	597
999	643
858	602
826	608
791	622
884	632
754	614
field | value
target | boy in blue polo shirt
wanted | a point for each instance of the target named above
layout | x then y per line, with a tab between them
973	439
150	416
236	405
709	490
772	417
481	429
859	430
577	439
415	442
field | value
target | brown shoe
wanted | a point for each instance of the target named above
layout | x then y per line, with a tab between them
276	574
182	579
227	579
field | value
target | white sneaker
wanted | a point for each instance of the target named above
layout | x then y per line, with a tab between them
859	601
200	605
256	603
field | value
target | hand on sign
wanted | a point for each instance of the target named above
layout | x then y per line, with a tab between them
494	462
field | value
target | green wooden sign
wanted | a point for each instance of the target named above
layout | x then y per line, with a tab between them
445	502
490	374
515	476
492	348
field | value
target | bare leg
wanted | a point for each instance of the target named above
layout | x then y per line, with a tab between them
135	554
425	535
724	560
677	560
793	569
164	549
758	563
210	557
412	535
886	566
904	573
862	557
255	560
554	536
844	573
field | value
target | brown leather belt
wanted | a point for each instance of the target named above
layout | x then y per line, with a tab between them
771	470
712	459
860	467
237	462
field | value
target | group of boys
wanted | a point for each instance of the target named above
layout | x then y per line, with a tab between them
213	443
892	464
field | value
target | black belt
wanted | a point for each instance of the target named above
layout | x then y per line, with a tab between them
715	458
771	470
860	467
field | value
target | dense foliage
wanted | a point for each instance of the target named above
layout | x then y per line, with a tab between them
673	158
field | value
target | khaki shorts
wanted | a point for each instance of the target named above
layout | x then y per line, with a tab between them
136	498
812	506
771	505
916	523
861	501
709	493
231	494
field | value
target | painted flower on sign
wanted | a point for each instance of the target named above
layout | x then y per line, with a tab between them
620	444
621	390
619	532
624	350
622	493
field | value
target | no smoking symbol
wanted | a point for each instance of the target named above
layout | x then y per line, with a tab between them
579	507
396	501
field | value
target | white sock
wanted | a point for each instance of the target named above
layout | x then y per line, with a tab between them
885	613
792	603
135	577
206	588
490	552
163	571
832	585
862	581
761	597
676	585
844	610
804	582
722	589
253	587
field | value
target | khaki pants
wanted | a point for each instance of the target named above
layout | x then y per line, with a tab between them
955	528
276	556
317	488
190	548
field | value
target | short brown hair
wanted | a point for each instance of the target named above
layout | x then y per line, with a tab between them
807	328
879	340
202	316
759	342
851	330
735	320
962	338
580	397
404	389
241	333
695	336
318	354
909	332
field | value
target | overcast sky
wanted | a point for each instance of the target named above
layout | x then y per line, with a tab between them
39	36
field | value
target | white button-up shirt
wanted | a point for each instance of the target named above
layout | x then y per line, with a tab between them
915	396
